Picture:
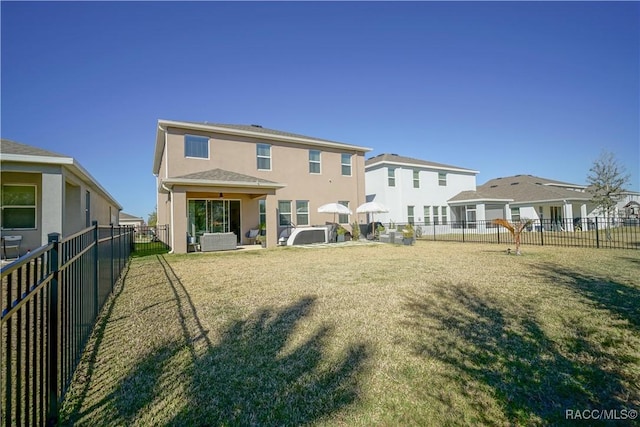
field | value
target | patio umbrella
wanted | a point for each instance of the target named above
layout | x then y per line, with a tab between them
335	208
372	208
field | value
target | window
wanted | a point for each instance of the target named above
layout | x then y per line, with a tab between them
314	161
345	161
515	214
444	214
284	209
19	206
442	179
262	212
410	214
391	175
302	212
263	152
196	146
416	179
427	215
436	219
343	218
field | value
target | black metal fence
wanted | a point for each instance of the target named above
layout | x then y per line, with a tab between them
50	300
151	240
593	233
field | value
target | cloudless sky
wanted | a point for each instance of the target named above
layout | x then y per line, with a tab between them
504	88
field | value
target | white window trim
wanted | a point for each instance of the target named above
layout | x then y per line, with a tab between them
319	162
303	213
391	175
208	147
350	164
35	206
258	156
290	213
442	182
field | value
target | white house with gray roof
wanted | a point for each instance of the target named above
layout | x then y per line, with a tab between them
45	192
525	196
414	190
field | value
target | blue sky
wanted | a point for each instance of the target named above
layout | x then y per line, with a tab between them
500	87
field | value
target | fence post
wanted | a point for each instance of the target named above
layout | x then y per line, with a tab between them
541	229
597	235
52	331
96	266
463	226
112	266
498	230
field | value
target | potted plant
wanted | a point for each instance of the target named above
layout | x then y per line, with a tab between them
341	231
355	231
408	234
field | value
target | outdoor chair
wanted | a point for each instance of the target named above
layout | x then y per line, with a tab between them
252	235
11	243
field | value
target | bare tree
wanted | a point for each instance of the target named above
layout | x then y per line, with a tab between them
607	179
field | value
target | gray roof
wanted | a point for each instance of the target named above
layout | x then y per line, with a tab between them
394	158
126	216
222	175
11	147
262	130
524	188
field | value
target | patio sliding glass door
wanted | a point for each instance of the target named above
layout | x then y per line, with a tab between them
213	216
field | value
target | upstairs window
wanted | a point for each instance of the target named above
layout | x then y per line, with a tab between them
416	179
263	152
314	161
391	177
442	179
345	161
19	206
196	146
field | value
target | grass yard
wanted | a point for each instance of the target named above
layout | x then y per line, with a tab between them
434	334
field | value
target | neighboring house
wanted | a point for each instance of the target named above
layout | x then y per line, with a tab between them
414	191
524	196
45	192
232	178
130	220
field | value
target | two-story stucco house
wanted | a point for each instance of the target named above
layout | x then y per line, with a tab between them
45	192
414	190
232	178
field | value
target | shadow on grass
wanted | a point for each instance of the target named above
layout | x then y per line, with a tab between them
622	300
149	248
528	376
250	376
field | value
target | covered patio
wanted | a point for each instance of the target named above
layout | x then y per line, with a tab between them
219	201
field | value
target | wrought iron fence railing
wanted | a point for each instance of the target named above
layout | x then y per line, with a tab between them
591	233
50	300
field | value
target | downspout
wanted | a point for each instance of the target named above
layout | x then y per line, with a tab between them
166	175
171	231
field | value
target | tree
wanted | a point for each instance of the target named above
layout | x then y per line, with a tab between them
153	218
515	229
606	179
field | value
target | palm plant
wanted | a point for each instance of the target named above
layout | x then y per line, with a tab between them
515	229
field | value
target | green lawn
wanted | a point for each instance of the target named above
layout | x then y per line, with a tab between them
432	334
